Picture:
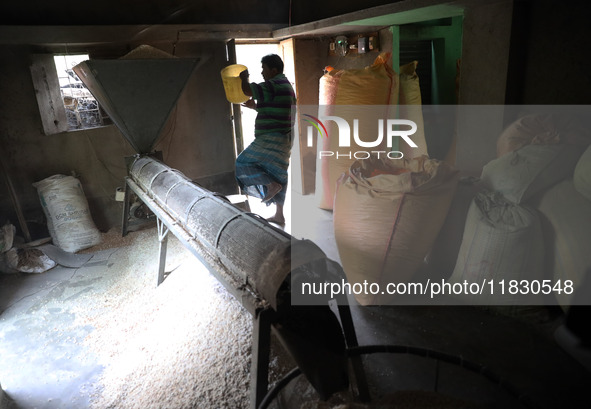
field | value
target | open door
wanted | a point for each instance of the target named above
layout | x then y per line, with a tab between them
236	114
298	152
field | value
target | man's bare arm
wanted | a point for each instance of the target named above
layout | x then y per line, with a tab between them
245	85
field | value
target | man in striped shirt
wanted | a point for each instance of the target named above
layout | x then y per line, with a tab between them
261	169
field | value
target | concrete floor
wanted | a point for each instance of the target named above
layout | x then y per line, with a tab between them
42	360
44	364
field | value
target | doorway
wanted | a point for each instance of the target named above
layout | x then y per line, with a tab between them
250	55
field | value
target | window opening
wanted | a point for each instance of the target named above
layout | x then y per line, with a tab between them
82	109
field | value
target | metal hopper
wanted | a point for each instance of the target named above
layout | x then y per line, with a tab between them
138	94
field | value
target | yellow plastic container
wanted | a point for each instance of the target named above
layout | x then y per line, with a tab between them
233	83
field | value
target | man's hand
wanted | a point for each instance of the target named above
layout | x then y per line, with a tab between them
244	83
250	104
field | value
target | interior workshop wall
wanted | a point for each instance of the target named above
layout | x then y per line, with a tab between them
198	139
94	155
550	62
198	143
312	56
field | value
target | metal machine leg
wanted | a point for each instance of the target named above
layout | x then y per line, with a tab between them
125	216
163	242
261	349
359	380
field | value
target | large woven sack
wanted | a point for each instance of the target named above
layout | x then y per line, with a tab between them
520	174
443	255
68	218
345	93
542	129
582	175
7	233
28	260
411	108
387	214
501	241
566	217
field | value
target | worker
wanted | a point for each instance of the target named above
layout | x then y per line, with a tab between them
261	169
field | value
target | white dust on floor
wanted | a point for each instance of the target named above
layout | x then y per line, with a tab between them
183	344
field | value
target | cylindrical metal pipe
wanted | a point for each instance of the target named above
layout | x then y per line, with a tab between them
253	260
253	251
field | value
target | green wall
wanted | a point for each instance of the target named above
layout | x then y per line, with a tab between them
446	35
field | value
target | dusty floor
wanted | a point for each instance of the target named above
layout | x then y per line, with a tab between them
104	336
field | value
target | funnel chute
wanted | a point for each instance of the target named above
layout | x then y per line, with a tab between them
138	94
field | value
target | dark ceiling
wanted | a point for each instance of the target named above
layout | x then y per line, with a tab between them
133	12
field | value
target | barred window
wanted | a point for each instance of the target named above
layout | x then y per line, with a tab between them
82	109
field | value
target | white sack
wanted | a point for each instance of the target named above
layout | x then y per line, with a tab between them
520	174
582	176
502	241
68	218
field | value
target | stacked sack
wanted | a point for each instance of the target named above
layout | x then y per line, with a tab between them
442	258
387	215
566	212
344	93
350	94
529	216
387	211
411	107
501	240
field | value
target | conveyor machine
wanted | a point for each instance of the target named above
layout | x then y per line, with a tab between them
255	261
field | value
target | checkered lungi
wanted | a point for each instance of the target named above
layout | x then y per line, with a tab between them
265	160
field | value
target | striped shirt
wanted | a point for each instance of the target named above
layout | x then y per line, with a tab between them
274	99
